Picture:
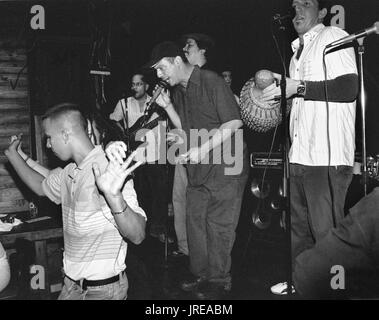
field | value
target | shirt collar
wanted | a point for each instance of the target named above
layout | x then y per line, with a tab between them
309	36
195	76
136	101
90	157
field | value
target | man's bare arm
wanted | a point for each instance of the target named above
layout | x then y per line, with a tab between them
30	177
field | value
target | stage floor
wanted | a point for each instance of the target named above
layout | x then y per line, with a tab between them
258	261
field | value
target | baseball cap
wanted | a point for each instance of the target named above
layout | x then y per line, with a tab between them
202	39
163	50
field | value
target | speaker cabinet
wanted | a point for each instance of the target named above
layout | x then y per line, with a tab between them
263	204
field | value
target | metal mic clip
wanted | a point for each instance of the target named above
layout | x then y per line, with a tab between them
279	18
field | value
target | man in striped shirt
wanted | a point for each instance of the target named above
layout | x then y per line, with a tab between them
99	208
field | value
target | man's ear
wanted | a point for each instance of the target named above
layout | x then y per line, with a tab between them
178	60
89	128
65	136
203	51
147	86
322	14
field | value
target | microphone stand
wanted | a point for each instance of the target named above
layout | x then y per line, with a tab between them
362	99
285	151
126	122
167	216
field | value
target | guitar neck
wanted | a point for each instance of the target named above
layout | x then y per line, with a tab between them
149	125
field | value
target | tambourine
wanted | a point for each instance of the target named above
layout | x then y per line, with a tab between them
258	115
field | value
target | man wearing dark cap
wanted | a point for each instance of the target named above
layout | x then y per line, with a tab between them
196	48
203	101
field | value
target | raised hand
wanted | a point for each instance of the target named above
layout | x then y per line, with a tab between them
116	151
163	99
15	146
174	138
111	181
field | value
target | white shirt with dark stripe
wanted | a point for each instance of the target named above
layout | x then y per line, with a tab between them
309	120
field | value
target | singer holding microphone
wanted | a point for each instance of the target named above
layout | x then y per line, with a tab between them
202	103
151	179
322	132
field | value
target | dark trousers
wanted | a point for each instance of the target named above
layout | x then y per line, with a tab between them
212	215
353	245
152	192
317	197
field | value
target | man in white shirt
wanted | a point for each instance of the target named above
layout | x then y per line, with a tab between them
133	107
151	179
322	133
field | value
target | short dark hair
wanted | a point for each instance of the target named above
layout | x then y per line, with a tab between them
321	4
203	41
63	109
324	4
140	73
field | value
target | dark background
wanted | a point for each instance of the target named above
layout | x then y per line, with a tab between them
60	60
60	55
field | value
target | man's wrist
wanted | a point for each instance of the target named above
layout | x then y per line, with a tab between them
115	202
169	105
12	154
124	210
301	88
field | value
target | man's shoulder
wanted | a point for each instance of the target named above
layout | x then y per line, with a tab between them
208	74
59	173
210	78
333	33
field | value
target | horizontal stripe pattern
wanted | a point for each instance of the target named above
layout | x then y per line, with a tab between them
90	232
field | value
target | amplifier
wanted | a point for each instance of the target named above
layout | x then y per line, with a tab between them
262	160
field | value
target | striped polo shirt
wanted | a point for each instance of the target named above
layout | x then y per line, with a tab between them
93	246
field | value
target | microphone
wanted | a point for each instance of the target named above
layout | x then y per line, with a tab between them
278	17
161	85
357	35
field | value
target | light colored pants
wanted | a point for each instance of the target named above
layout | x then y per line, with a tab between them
113	291
179	197
5	273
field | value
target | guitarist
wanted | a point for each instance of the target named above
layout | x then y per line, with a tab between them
151	180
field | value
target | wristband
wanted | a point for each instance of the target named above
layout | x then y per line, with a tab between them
115	213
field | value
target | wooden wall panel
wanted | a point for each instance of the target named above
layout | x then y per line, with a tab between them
14	119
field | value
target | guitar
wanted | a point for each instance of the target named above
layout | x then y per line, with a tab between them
141	123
